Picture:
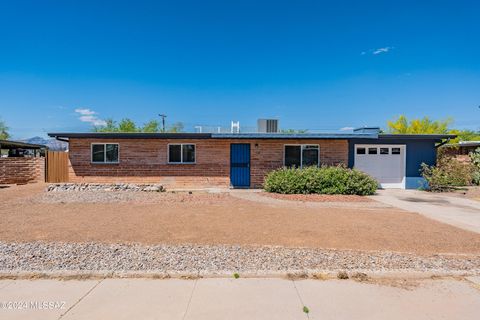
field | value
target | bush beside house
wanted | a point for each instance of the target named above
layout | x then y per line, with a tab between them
323	180
450	173
475	158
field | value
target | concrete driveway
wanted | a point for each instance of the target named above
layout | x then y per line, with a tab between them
237	299
459	212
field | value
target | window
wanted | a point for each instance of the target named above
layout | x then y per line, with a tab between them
384	151
395	150
293	156
301	155
104	152
372	150
360	150
181	153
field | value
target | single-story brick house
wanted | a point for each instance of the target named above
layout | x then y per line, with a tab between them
243	159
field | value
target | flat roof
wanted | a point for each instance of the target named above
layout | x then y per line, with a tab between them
464	144
294	135
417	136
8	144
129	135
137	135
335	135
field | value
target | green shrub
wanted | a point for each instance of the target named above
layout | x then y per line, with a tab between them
323	180
449	173
475	158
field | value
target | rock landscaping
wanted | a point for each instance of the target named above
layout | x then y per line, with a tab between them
120	197
219	259
104	187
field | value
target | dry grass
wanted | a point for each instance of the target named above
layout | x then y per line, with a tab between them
203	218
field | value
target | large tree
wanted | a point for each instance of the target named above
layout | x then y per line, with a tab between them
3	131
465	135
419	126
426	126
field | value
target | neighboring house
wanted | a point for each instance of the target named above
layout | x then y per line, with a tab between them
242	160
461	150
21	162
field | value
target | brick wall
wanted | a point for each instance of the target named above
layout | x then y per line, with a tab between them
145	161
22	170
461	153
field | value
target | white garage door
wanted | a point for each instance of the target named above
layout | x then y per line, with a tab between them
386	163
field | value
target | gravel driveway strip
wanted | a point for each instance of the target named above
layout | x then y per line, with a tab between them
202	259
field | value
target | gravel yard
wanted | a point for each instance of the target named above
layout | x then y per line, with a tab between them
201	259
218	232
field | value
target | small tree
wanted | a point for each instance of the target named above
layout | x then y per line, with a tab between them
475	157
127	125
176	127
3	131
151	126
110	126
448	174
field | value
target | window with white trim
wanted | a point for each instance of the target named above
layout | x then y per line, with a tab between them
104	153
181	153
303	155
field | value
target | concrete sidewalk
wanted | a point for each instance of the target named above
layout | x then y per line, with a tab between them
239	299
459	212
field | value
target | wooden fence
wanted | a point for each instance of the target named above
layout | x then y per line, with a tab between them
57	167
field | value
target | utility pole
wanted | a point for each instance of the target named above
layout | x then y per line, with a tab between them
163	121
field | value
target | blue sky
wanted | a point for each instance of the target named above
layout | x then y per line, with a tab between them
313	64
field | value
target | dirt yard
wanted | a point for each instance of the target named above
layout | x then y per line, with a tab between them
472	193
27	213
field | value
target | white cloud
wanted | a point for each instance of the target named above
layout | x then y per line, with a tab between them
346	128
377	51
85	111
381	50
87	115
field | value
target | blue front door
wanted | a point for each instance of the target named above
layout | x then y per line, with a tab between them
240	165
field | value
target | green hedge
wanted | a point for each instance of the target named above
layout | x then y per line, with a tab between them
323	180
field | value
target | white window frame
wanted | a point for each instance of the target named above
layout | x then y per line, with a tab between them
301	152
181	153
104	153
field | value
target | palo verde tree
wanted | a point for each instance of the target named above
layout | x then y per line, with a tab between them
427	126
419	126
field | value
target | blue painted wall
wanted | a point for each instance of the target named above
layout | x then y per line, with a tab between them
418	151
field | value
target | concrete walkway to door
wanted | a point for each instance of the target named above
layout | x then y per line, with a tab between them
459	212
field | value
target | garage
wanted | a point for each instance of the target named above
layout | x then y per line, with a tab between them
386	163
